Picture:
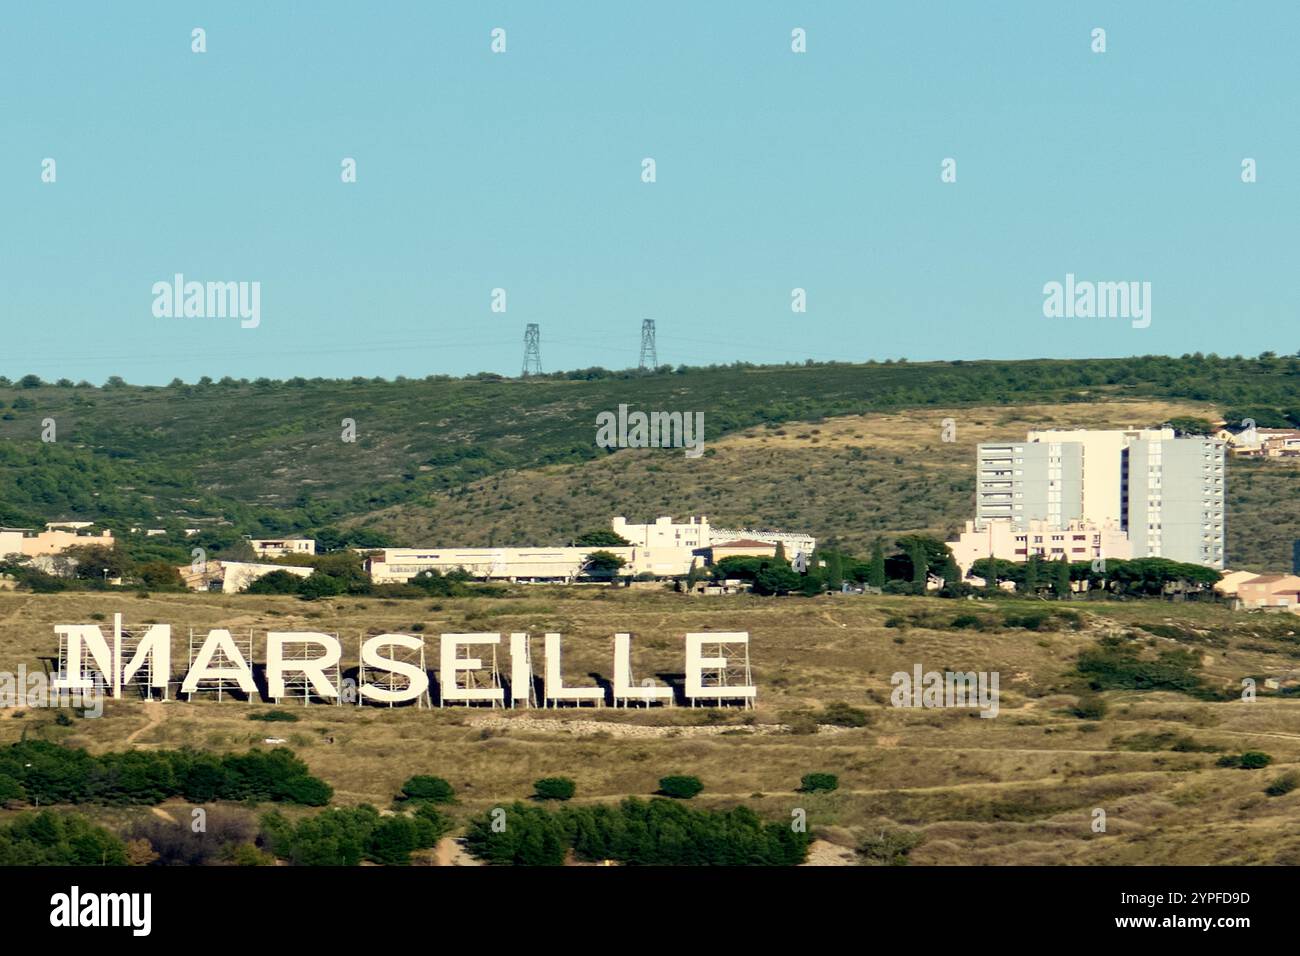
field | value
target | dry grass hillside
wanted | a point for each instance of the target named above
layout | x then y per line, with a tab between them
845	480
1017	789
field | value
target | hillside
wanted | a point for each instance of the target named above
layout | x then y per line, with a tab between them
1021	788
438	456
845	479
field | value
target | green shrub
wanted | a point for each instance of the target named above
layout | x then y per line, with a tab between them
58	839
1090	707
433	789
431	825
1283	785
1033	621
648	833
889	847
1116	664
840	714
307	791
1250	760
275	716
812	782
49	773
11	791
680	787
554	788
392	841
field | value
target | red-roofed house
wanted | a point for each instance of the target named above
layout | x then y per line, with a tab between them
1271	591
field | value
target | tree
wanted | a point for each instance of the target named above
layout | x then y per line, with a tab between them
1030	585
1061	580
601	538
392	841
238	550
160	576
835	571
277	582
920	564
554	788
95	562
680	787
424	787
779	553
776	579
951	573
932	552
602	564
876	570
1191	426
692	575
812	782
319	585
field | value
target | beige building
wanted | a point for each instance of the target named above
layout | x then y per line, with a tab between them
1278	591
743	548
278	547
24	541
1265	442
1076	540
1231	580
1101	461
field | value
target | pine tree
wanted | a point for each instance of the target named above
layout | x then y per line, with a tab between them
835	571
920	564
1062	583
991	576
876	569
951	573
1031	574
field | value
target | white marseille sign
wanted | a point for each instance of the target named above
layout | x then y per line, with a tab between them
310	660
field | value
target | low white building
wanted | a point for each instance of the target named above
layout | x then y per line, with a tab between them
398	565
663	548
698	533
231	577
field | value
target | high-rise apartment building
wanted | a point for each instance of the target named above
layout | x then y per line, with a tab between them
1166	493
1174	499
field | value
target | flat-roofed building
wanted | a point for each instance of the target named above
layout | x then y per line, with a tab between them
1174	490
397	565
278	547
25	541
1166	493
1076	541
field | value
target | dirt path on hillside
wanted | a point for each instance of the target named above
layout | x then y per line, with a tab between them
825	853
13	617
155	713
452	852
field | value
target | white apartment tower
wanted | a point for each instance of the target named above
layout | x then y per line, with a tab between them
1167	493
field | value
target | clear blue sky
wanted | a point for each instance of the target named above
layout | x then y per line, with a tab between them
522	171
